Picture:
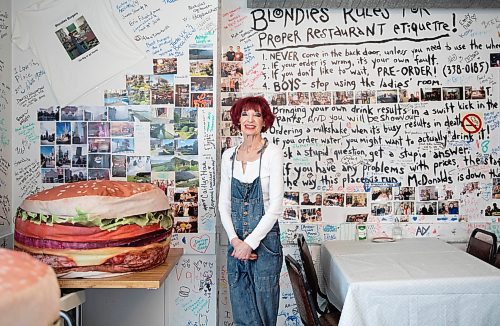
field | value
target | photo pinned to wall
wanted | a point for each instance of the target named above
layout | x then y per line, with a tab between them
381	193
63	156
290	214
450	207
99	145
228	129
98	174
162	89
404	193
298	98
99	161
72	113
492	210
163	66
470	189
162	147
48	114
139	89
357	199
201	51
278	99
446	192
79	156
321	98
202	84
122	129
184	210
426	208
99	129
63	133
186	163
122	145
495	60
430	94
228	99
52	175
186	123
182	95
166	182
164	163
427	193
161	131
356	218
119	166
404	208
407	95
139	113
473	93
139	169
228	142
366	97
75	175
79	132
118	113
335	199
77	37
47	157
495	191
311	215
47	133
387	96
186	146
187	179
202	100
453	93
290	198
226	114
115	97
231	84
233	54
381	209
231	69
186	225
343	97
201	68
163	114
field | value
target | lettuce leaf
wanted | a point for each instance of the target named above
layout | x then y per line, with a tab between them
81	218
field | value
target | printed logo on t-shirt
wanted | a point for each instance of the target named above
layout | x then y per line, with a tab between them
77	37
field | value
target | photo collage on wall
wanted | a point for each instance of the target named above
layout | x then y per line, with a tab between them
147	132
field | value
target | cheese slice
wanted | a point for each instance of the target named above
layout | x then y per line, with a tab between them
90	257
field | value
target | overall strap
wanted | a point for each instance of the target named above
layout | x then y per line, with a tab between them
262	153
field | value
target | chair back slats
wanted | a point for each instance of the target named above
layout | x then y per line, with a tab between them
302	297
307	261
484	250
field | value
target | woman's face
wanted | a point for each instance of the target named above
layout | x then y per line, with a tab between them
251	122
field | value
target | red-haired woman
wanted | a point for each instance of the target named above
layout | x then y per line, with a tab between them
250	202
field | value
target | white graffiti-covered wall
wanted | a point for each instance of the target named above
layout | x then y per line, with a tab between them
152	122
384	116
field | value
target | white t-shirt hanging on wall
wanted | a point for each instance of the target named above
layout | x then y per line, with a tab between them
80	44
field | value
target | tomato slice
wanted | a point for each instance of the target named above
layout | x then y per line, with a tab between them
63	232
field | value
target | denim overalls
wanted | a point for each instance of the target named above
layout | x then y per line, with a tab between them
253	284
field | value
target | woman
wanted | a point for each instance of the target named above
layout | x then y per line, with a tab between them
250	202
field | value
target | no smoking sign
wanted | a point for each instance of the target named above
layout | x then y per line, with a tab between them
472	123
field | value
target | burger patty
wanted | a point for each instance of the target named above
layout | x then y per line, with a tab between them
137	241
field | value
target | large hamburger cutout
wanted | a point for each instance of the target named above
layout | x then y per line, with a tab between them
96	226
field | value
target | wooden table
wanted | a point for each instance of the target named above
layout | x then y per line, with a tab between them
150	279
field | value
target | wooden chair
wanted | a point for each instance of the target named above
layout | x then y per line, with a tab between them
303	298
484	250
312	277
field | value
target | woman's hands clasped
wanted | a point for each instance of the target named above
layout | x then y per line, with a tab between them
242	250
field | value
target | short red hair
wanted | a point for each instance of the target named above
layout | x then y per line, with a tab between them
256	103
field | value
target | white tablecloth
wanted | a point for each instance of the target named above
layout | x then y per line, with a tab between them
410	282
